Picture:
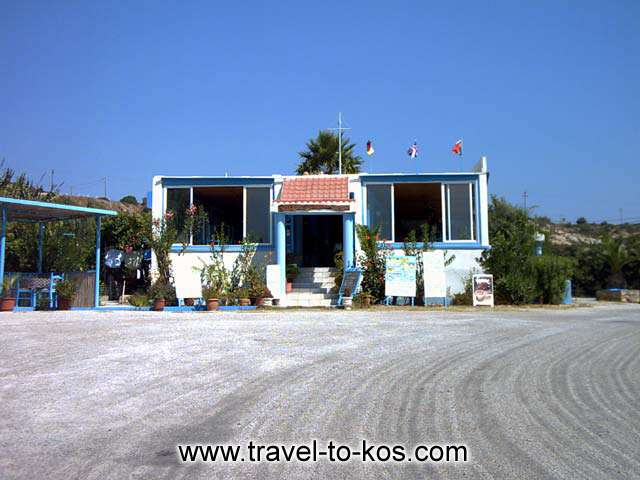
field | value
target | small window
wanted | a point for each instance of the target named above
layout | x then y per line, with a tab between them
379	209
259	214
178	202
460	211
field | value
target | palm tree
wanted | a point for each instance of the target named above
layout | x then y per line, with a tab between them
321	155
616	256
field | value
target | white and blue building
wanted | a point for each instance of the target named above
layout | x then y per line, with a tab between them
307	219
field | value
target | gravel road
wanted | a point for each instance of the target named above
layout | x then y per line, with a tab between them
531	393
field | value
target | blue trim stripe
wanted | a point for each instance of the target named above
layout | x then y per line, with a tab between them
216	181
177	248
439	245
54	206
419	178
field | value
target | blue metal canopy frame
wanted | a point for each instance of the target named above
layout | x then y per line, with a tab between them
19	210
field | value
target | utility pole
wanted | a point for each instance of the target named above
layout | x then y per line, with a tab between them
525	195
51	184
340	129
105	186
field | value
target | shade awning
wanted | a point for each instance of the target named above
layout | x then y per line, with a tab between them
19	210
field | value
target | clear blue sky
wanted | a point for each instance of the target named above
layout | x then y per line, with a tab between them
547	91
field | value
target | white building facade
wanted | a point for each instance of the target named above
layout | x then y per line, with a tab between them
308	219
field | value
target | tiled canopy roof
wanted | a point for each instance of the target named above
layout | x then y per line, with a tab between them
317	189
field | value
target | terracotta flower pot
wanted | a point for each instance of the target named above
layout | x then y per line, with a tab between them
259	302
289	288
212	304
158	305
7	304
64	303
245	302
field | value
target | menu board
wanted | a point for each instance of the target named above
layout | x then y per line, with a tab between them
483	290
400	276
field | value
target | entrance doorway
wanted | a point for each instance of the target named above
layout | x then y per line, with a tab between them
316	239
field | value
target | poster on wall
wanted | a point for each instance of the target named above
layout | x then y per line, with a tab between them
483	290
435	283
400	276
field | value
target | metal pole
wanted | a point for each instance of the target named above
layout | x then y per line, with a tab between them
340	143
97	285
40	239
3	241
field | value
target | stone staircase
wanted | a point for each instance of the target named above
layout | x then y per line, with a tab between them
312	288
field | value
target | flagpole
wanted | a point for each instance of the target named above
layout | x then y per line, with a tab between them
339	143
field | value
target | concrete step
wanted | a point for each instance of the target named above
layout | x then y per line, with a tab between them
325	302
328	284
314	277
317	269
310	295
311	289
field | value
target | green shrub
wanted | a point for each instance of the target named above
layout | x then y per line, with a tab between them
373	261
162	289
466	297
552	273
66	289
130	199
139	300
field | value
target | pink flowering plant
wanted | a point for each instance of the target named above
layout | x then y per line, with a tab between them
164	234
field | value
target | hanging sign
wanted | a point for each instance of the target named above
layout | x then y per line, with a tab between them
483	290
400	276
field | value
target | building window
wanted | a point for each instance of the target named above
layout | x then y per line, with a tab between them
224	207
460	211
258	216
416	204
241	212
379	210
178	201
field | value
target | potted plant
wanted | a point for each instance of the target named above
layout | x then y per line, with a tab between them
292	273
211	296
267	297
256	291
243	295
159	292
366	299
66	291
8	302
138	300
347	300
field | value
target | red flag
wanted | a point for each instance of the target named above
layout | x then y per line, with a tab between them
457	148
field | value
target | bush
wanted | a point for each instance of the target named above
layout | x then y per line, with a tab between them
519	276
581	221
130	199
552	273
161	289
139	300
209	291
373	261
66	289
466	297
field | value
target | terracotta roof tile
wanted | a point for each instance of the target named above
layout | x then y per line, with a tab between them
315	189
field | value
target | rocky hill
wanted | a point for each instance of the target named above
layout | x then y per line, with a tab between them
103	203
